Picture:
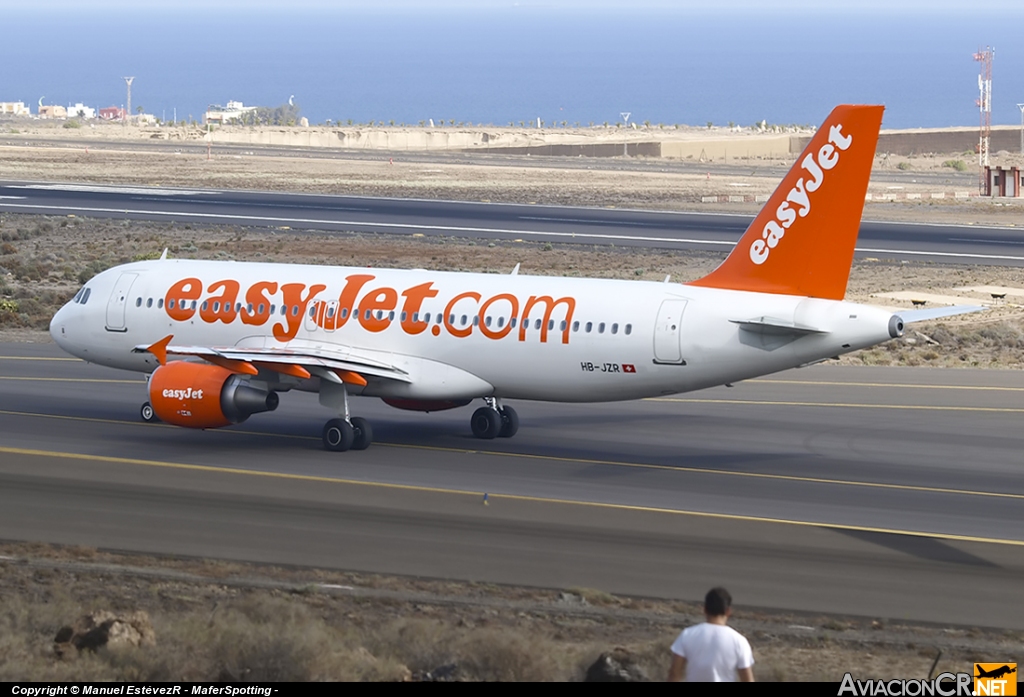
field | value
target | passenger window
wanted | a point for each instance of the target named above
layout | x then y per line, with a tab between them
248	308
295	310
149	302
160	303
170	304
261	308
629	329
464	320
562	326
205	304
501	322
600	328
537	324
615	328
576	326
238	307
451	319
476	320
193	304
551	324
590	325
512	322
330	312
403	316
216	307
138	302
344	312
391	316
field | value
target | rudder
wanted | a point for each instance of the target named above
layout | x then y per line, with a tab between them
802	241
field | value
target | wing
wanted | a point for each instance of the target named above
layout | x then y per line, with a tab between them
338	364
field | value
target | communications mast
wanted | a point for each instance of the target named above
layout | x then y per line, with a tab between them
985	108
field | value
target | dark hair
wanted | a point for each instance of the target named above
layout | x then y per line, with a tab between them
717	602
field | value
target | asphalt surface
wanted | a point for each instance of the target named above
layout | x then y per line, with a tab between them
668	230
880	492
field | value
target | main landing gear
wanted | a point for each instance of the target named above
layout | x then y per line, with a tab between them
346	432
494	420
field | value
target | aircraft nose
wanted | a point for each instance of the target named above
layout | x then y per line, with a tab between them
58	326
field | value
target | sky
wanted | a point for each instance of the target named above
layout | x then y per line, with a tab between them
993	7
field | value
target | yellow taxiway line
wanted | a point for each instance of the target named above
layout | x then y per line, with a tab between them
493	497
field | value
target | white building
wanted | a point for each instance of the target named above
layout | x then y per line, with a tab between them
81	111
14	109
233	112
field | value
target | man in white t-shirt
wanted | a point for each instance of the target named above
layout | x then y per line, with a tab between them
712	651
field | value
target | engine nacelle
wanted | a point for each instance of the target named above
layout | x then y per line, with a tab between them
199	395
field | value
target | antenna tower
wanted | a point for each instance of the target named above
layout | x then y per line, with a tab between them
128	81
984	107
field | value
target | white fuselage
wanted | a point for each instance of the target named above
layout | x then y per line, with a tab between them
465	335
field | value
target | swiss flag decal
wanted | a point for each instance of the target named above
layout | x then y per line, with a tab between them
628	368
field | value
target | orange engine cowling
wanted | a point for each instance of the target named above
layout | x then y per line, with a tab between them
199	395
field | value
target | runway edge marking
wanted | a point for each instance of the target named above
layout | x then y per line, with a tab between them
509	497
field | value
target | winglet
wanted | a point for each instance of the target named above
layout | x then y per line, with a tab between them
163	257
802	241
159	349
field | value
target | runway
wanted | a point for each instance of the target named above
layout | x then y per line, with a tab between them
667	230
893	493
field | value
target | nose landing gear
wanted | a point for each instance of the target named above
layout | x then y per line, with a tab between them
494	420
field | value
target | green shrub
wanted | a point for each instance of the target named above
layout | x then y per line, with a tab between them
958	165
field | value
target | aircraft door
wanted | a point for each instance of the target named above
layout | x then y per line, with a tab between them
668	332
118	302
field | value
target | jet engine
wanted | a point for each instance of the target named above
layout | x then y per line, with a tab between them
199	395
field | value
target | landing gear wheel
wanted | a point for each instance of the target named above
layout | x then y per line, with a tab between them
509	422
338	435
147	413
363	433
486	423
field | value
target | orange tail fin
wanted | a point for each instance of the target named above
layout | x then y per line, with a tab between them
802	241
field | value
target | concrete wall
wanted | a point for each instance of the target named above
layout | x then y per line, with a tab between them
946	141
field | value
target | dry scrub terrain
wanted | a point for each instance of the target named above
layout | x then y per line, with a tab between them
229	621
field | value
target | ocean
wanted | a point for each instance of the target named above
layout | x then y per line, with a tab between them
509	65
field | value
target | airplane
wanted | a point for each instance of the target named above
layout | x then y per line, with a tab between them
220	339
995	673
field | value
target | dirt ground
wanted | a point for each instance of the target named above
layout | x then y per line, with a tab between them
217	620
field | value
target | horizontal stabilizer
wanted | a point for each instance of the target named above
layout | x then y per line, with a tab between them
909	316
776	327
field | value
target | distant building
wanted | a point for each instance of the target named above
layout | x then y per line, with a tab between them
14	109
232	113
145	120
113	113
81	111
53	111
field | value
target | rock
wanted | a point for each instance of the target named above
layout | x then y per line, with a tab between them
616	666
104	629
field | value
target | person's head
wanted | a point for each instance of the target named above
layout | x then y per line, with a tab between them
717	603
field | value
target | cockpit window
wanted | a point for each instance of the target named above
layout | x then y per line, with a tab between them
78	295
85	296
